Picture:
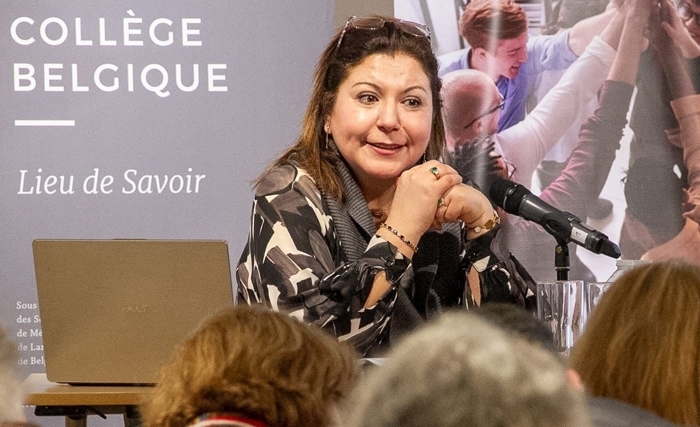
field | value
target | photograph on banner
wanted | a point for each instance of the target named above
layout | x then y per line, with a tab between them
547	60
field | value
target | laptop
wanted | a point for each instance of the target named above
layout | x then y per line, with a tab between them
112	311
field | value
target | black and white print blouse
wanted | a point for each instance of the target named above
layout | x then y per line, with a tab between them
315	258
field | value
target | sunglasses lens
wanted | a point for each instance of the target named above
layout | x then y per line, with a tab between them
367	23
413	28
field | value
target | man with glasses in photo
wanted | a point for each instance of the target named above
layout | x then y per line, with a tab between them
471	109
497	33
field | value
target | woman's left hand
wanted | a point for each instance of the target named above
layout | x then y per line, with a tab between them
465	203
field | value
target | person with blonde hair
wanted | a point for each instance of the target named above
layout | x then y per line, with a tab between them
640	346
470	373
250	366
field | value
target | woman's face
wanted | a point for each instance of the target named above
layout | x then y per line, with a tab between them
382	117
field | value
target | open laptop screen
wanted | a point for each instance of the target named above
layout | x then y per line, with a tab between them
112	311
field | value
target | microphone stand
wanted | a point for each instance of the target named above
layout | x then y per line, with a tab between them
561	260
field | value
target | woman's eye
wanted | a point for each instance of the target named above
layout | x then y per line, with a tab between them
367	98
413	102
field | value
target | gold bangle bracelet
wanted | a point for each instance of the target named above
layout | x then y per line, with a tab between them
490	224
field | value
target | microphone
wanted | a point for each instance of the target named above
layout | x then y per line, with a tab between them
565	227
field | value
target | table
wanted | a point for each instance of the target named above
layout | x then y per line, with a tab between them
76	402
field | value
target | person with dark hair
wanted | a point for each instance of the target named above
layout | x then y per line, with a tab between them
519	322
252	367
497	33
345	224
639	354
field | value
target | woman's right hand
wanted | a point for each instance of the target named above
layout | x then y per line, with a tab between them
415	202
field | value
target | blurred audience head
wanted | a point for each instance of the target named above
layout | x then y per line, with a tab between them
641	345
518	321
256	364
11	392
463	371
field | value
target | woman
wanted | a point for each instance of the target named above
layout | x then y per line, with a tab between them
640	346
252	367
346	223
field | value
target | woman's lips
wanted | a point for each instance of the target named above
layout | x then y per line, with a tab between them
384	146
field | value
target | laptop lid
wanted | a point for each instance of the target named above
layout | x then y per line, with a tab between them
112	311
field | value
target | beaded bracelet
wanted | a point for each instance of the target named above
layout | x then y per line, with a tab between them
400	236
490	224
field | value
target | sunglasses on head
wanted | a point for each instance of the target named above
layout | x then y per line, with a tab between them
374	23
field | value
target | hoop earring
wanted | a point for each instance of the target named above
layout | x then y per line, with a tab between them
327	130
424	157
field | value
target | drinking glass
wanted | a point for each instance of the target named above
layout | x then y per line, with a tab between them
560	307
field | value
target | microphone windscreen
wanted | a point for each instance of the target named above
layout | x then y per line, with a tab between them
507	195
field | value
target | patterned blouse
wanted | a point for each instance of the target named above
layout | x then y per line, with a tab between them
316	258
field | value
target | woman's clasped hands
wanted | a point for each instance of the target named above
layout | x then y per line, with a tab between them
432	193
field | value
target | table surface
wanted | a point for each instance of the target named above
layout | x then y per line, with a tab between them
41	392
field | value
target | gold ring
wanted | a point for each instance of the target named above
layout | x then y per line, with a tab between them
435	171
441	202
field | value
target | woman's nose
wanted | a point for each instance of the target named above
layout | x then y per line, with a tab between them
389	117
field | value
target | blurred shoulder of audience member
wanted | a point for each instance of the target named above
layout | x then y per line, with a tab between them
641	346
469	373
252	366
11	392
